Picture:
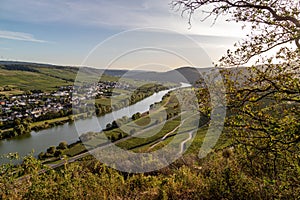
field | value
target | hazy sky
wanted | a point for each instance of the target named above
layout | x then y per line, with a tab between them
66	31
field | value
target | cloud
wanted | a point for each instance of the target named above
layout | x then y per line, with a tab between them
4	48
114	14
19	36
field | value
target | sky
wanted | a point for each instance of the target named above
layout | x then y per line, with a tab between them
111	34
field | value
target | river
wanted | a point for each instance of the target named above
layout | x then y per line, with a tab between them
70	132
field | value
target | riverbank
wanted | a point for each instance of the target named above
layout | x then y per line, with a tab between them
102	107
114	134
38	126
70	132
139	140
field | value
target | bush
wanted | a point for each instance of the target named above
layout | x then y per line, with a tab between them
57	153
62	145
41	155
218	176
51	150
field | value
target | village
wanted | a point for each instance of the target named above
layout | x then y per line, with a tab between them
35	104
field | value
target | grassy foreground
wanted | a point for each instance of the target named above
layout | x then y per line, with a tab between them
218	176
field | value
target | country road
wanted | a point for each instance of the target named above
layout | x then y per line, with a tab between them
182	144
169	133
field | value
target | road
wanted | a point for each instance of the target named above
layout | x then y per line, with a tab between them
169	133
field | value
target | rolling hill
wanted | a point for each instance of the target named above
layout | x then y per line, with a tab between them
23	76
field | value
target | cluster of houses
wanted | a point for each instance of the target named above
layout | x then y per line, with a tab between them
32	105
96	90
39	103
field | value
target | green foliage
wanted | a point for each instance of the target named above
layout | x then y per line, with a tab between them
20	127
41	156
51	150
264	120
58	153
62	145
263	101
215	177
136	116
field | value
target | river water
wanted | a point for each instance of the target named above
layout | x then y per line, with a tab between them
70	132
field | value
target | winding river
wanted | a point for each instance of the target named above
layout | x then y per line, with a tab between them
70	132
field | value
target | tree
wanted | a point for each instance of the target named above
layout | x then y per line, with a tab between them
62	145
71	118
120	136
21	127
17	122
113	138
115	124
273	23
98	110
108	126
41	155
51	150
57	153
263	100
136	116
7	88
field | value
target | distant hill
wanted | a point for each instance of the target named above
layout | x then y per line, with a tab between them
183	74
20	76
28	76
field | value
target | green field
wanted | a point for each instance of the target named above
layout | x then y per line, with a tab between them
23	80
149	130
46	78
